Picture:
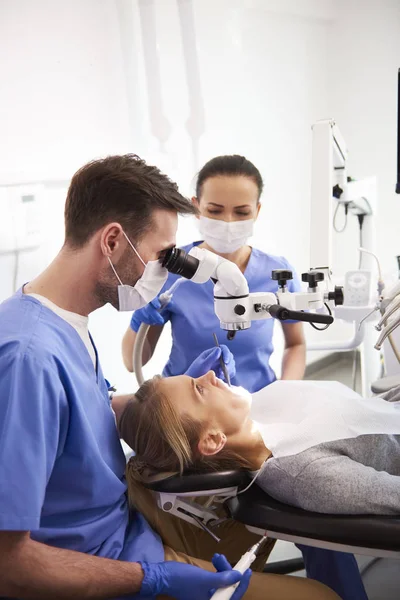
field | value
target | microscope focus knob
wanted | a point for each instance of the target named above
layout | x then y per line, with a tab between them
282	276
337	296
239	309
337	191
312	278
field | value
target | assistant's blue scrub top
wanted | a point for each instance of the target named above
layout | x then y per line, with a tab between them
61	462
193	322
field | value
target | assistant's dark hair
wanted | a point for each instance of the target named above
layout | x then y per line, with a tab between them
231	165
119	188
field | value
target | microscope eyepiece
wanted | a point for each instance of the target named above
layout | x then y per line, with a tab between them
181	263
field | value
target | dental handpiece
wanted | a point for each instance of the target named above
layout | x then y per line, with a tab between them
222	363
244	563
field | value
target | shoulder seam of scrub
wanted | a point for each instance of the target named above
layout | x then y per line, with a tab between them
25	354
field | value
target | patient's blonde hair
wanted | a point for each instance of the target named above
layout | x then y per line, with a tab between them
165	441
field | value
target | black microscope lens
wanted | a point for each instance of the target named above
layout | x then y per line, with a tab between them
179	262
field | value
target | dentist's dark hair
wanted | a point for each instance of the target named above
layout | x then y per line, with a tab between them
231	165
120	188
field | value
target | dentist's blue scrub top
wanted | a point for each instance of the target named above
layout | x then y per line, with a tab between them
193	322
61	462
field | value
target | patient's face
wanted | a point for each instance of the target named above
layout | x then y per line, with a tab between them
209	400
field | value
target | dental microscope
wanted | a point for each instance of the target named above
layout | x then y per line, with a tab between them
236	307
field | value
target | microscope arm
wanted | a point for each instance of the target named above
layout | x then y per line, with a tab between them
236	308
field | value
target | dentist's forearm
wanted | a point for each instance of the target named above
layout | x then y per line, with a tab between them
294	362
31	570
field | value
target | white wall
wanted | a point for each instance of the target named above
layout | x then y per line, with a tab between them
254	104
363	60
364	57
77	88
63	102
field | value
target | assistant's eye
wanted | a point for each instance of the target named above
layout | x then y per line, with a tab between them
200	389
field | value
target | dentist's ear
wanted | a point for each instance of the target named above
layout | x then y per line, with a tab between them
110	239
211	443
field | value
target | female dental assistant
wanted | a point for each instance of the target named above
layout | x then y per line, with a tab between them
228	194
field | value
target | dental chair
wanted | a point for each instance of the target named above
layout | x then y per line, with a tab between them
377	536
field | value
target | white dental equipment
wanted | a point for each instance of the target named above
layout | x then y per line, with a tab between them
389	307
242	565
331	187
329	183
234	305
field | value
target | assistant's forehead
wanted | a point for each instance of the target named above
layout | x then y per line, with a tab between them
230	188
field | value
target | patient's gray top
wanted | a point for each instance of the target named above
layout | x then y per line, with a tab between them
357	474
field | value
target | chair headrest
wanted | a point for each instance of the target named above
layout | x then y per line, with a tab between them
192	481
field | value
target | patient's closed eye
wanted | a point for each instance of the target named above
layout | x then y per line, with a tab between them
200	389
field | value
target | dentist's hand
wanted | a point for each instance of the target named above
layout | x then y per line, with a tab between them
186	582
221	563
209	361
150	315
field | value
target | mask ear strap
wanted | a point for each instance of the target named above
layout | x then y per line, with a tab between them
115	272
134	249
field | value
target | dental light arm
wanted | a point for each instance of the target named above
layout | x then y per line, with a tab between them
235	306
390	319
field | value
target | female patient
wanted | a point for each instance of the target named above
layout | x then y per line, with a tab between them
324	448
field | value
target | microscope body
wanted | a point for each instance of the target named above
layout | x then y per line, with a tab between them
235	306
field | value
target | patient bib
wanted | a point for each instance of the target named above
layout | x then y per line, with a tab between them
293	416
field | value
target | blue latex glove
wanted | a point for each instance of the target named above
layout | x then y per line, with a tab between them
221	563
209	361
149	314
184	582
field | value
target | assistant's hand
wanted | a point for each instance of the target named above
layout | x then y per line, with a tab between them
184	582
209	361
149	314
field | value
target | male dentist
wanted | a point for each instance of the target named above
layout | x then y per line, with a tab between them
65	527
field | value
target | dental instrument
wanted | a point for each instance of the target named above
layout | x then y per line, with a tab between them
244	563
222	363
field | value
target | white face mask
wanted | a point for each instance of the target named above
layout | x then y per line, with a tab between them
145	289
225	236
